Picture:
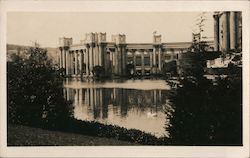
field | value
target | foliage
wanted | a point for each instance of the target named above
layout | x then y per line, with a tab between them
192	64
35	95
170	68
111	131
129	69
207	113
98	71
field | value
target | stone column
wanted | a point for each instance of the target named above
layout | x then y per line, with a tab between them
134	60
95	56
238	24
124	59
60	58
76	62
71	63
80	62
101	99
150	59
63	60
232	30
105	60
117	60
142	63
91	53
87	60
67	61
100	55
114	62
159	58
154	56
216	33
84	61
226	31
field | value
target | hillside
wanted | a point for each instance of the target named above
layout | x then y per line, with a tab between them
14	49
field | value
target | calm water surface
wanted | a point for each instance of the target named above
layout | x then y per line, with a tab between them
138	104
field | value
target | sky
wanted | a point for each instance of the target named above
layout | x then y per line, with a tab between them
24	28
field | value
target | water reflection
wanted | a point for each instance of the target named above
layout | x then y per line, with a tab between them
115	103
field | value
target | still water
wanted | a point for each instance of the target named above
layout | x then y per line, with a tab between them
138	104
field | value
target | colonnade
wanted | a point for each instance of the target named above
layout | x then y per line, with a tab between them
226	31
72	61
155	58
82	61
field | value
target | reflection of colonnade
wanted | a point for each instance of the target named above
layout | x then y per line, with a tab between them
115	56
99	100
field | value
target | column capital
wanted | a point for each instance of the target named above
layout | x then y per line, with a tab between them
102	43
92	44
216	16
87	45
60	48
157	45
66	48
121	45
132	50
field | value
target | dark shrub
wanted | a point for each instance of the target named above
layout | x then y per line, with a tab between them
35	95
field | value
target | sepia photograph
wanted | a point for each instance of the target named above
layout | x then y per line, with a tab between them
129	78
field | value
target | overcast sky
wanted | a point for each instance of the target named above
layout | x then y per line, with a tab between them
47	27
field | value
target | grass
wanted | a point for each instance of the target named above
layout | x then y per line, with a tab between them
19	135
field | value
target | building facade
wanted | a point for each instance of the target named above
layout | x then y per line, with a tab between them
79	60
227	31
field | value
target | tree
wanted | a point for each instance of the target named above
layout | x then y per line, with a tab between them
98	71
170	68
35	90
130	69
193	61
205	112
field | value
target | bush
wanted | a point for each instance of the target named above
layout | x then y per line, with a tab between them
111	131
207	113
98	71
35	95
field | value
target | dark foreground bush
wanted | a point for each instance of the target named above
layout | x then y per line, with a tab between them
207	113
35	92
111	131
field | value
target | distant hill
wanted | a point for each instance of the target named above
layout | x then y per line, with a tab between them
14	49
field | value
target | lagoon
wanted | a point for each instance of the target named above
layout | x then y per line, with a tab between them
133	104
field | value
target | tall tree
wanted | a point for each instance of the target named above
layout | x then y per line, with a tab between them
205	112
35	90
